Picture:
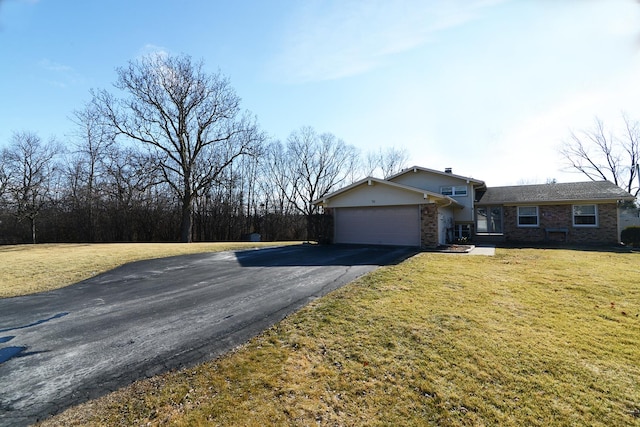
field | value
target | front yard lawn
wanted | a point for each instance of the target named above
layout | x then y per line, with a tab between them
530	337
29	269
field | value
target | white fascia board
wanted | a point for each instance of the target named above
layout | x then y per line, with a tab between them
415	169
370	181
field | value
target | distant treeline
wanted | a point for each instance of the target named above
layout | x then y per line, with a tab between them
52	194
172	157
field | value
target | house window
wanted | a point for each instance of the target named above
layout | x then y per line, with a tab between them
446	191
585	215
460	190
528	216
489	219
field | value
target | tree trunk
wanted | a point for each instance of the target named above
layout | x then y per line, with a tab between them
33	230
186	223
309	227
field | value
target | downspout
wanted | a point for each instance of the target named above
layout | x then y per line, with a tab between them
453	229
449	203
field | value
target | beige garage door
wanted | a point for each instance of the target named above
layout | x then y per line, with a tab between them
388	225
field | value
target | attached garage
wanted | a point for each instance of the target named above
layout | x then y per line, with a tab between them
378	212
384	225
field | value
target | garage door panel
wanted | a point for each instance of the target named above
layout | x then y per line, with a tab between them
388	225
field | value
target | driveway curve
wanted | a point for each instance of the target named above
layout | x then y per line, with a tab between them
66	346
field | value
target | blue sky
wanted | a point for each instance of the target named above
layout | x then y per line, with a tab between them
490	88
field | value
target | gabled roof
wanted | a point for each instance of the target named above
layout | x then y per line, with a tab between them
558	192
369	180
437	172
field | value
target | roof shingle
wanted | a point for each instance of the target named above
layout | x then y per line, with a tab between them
557	192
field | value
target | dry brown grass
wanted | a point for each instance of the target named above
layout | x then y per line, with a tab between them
28	269
528	337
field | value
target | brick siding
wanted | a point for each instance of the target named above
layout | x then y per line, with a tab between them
429	225
561	217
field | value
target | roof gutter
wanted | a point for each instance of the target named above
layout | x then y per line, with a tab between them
550	202
449	201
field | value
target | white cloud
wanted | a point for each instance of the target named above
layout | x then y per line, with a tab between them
326	41
49	65
59	75
150	49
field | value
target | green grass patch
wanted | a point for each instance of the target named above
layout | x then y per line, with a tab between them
28	269
528	337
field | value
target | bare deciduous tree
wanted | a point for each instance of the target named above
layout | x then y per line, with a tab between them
602	154
4	172
129	175
317	165
190	120
386	162
92	140
31	166
277	187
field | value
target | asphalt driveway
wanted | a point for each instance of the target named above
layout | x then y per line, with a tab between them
64	347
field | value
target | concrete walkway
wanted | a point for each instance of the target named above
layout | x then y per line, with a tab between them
486	250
